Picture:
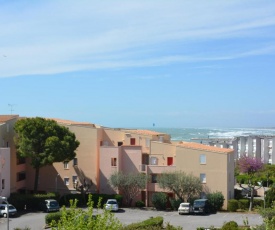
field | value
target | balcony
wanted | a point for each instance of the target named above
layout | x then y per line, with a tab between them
160	168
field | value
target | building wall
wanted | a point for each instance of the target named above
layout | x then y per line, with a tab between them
7	135
52	177
219	169
5	172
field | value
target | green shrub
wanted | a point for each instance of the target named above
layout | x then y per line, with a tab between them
270	197
216	201
258	203
231	225
82	201
232	205
30	201
140	204
146	224
175	203
55	216
159	200
244	204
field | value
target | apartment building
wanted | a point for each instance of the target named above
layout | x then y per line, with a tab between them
17	166
104	150
155	154
260	146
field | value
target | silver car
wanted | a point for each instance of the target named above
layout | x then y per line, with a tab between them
4	210
185	208
112	205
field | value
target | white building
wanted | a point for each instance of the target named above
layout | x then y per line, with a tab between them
255	145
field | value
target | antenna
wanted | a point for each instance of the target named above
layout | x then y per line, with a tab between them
11	105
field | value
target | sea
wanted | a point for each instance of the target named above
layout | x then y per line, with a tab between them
186	134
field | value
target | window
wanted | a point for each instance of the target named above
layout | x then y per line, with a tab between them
21	176
154	161
74	179
154	178
113	161
21	160
66	181
203	177
3	183
202	159
147	144
133	141
66	165
119	143
75	161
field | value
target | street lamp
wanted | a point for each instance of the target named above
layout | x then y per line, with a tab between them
2	198
56	182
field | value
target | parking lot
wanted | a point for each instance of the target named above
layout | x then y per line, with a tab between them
36	221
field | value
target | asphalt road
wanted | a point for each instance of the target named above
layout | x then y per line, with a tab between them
36	221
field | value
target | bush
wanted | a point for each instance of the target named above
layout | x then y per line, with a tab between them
175	203
140	204
244	204
159	200
232	205
30	201
231	225
52	217
65	199
146	224
258	203
77	218
270	197
216	201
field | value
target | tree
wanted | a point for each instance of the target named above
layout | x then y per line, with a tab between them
182	184
77	218
129	184
250	166
44	142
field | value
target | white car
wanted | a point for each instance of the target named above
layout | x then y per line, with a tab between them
112	205
4	212
185	208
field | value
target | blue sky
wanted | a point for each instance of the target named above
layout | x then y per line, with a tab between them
135	63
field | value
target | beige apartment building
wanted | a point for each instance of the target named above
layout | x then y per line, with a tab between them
104	150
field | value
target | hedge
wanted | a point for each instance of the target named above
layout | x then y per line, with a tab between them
30	201
152	222
232	205
82	201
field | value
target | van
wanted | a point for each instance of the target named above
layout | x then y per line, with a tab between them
201	206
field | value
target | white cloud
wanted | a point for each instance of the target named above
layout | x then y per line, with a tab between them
63	36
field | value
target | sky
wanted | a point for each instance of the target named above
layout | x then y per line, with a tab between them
141	62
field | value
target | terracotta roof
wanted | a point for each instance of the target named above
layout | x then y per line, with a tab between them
144	132
194	145
68	122
4	118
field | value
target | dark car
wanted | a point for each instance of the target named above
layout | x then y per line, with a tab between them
201	206
50	205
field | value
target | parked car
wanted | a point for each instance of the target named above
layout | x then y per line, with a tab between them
4	210
185	208
49	205
201	206
112	205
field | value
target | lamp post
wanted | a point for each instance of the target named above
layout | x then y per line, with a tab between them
56	182
2	198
